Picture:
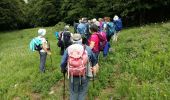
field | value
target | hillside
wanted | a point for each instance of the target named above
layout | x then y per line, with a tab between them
138	68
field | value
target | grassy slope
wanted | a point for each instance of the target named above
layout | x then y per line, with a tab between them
138	69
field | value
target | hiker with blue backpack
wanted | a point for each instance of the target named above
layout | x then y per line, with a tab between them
79	62
40	44
118	26
109	28
83	29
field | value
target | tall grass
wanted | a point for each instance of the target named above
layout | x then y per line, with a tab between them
137	69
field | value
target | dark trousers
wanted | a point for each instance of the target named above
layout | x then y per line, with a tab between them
43	56
78	91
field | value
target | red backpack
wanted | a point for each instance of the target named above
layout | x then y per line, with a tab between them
77	60
102	40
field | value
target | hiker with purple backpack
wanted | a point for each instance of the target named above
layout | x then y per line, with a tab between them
78	61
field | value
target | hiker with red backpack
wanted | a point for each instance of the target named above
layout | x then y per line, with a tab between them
78	61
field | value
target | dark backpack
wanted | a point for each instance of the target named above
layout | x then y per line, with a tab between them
66	39
102	40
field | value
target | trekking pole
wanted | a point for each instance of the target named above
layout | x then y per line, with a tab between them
64	87
93	78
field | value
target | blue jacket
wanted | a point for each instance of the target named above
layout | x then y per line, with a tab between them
91	57
82	28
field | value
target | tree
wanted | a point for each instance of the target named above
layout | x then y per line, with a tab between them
11	15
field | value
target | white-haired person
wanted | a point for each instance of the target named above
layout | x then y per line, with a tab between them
45	49
118	23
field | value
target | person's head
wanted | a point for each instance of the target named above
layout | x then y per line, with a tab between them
80	21
93	28
41	32
66	28
107	19
94	20
115	17
84	20
100	19
76	38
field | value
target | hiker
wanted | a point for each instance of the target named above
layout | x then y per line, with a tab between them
101	24
93	41
118	26
83	30
94	20
75	61
44	50
109	28
64	39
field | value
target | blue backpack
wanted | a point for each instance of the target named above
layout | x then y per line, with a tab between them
82	28
110	29
118	24
36	44
56	35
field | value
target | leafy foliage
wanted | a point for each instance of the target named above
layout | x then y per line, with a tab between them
35	13
12	14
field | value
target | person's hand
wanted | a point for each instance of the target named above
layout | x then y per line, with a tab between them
49	53
63	71
95	69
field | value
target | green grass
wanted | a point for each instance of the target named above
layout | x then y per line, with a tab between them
137	69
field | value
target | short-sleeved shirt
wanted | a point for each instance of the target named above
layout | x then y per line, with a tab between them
94	38
43	41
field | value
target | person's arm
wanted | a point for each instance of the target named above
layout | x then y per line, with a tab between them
93	40
104	27
91	55
64	61
93	61
92	44
44	45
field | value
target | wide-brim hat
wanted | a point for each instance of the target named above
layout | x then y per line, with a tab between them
76	37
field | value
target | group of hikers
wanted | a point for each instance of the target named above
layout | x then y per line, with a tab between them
80	50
